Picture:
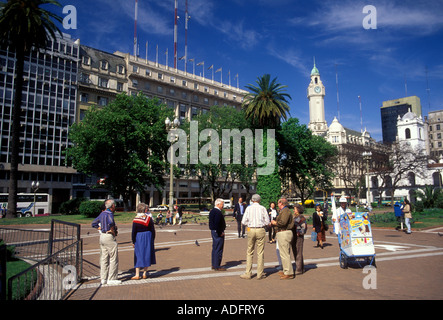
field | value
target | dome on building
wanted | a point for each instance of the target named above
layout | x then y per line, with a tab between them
336	126
409	116
315	71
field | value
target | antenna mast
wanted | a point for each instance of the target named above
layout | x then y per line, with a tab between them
187	17
338	99
175	34
135	28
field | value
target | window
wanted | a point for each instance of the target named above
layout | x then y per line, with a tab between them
119	86
102	101
438	127
84	97
102	82
160	76
104	65
172	79
408	133
135	83
121	69
86	60
148	72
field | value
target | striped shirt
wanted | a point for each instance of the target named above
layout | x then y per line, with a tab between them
256	216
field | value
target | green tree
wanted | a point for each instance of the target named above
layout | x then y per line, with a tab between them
305	158
24	26
269	187
430	196
267	103
125	142
218	176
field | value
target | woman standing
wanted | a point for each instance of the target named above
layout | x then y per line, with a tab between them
408	215
272	216
298	238
143	235
318	221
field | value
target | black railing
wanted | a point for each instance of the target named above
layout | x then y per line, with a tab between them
58	257
50	279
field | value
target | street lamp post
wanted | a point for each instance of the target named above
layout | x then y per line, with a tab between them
171	125
34	186
367	157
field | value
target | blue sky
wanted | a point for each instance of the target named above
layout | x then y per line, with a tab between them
282	37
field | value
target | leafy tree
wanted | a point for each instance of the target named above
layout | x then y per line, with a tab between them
431	197
267	103
217	177
125	142
269	187
24	25
304	158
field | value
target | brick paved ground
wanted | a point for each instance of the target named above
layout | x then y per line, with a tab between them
408	267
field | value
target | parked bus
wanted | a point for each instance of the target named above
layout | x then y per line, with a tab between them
25	204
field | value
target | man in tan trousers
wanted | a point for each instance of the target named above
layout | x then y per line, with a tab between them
284	224
256	218
108	245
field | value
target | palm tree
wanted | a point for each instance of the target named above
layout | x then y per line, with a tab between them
24	26
267	103
430	196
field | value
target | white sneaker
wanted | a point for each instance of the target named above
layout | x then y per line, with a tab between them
114	282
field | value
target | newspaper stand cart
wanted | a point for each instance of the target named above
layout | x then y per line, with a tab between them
355	240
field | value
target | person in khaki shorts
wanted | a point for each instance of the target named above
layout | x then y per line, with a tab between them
284	224
256	218
108	244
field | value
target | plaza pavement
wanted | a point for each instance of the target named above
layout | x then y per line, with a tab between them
408	268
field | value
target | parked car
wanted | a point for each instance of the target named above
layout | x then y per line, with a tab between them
159	208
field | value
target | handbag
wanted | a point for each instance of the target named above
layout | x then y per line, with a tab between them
325	226
314	236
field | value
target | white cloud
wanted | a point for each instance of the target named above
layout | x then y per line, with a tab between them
290	56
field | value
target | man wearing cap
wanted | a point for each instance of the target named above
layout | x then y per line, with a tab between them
256	218
338	212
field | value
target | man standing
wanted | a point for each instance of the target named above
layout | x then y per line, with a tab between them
337	213
284	224
239	210
217	225
108	245
256	218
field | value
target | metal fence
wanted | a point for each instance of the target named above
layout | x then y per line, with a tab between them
29	244
59	258
50	279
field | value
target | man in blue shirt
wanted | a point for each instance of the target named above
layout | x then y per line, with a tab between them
108	245
217	225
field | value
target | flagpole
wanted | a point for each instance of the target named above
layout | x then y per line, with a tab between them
156	56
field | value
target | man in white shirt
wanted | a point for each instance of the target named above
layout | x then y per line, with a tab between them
336	214
256	218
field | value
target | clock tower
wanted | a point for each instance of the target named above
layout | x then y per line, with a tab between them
316	96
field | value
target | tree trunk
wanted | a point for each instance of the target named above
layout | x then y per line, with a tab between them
15	135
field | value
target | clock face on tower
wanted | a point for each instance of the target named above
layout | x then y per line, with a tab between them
317	89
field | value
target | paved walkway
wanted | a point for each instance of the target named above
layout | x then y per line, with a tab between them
408	267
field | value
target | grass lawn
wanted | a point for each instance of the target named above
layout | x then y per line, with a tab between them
380	217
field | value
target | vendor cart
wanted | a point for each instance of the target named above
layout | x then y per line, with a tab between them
355	240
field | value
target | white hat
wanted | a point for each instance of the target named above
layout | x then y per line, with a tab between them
342	199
